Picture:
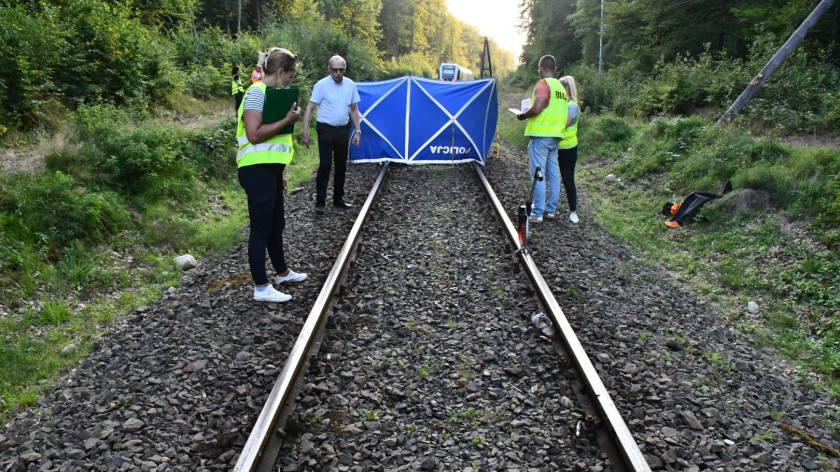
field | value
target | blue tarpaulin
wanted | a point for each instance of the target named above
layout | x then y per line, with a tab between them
421	121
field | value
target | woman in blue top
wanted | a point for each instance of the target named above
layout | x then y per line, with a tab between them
567	150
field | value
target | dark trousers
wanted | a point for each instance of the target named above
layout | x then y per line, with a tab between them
567	158
333	146
237	98
264	185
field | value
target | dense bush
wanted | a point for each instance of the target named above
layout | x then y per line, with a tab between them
409	64
212	151
31	51
50	210
803	95
210	80
610	134
78	51
153	161
315	46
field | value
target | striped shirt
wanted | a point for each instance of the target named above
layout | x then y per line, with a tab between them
254	99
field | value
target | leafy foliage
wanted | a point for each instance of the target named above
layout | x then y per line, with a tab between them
149	160
672	58
61	55
75	52
51	210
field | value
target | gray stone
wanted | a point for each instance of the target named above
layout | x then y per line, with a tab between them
133	425
690	419
69	350
185	262
30	456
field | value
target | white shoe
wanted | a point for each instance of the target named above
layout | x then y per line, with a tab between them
292	276
269	294
550	216
535	219
573	217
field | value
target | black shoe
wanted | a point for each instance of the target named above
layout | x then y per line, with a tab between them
319	208
342	204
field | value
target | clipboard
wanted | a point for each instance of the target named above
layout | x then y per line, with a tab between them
278	102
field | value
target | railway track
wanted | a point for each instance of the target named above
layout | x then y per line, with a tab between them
446	387
177	385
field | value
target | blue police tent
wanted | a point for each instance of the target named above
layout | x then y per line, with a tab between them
412	120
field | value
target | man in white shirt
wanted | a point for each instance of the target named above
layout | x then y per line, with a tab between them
337	98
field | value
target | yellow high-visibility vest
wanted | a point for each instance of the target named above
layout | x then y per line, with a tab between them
570	135
551	122
235	88
275	150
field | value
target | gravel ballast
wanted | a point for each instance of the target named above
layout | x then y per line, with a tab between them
426	364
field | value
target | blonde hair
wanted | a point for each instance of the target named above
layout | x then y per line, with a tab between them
569	82
278	59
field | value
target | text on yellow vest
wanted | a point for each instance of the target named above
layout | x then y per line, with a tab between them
551	122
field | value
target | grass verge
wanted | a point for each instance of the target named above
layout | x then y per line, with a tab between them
93	237
782	256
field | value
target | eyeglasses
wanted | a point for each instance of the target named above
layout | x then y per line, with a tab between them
337	69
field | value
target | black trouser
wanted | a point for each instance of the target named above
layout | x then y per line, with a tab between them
567	158
333	145
264	185
237	98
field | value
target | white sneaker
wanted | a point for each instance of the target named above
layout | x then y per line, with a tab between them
535	219
292	276
550	216
269	294
573	217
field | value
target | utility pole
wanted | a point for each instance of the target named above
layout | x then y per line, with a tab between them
775	61
601	41
486	64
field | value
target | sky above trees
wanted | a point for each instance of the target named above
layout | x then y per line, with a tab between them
497	19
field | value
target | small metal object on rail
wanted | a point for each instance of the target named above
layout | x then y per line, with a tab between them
619	433
252	458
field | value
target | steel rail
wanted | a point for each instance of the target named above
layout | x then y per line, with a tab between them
619	433
252	454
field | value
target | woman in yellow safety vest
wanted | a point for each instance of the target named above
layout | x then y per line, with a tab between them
236	89
261	160
567	150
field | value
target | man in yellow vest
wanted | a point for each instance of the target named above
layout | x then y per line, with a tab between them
546	125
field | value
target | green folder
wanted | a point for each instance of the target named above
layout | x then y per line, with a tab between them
278	102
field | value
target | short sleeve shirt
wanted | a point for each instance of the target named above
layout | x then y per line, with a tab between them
254	99
334	100
542	91
573	112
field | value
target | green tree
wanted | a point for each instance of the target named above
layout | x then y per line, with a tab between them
357	18
166	14
550	31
